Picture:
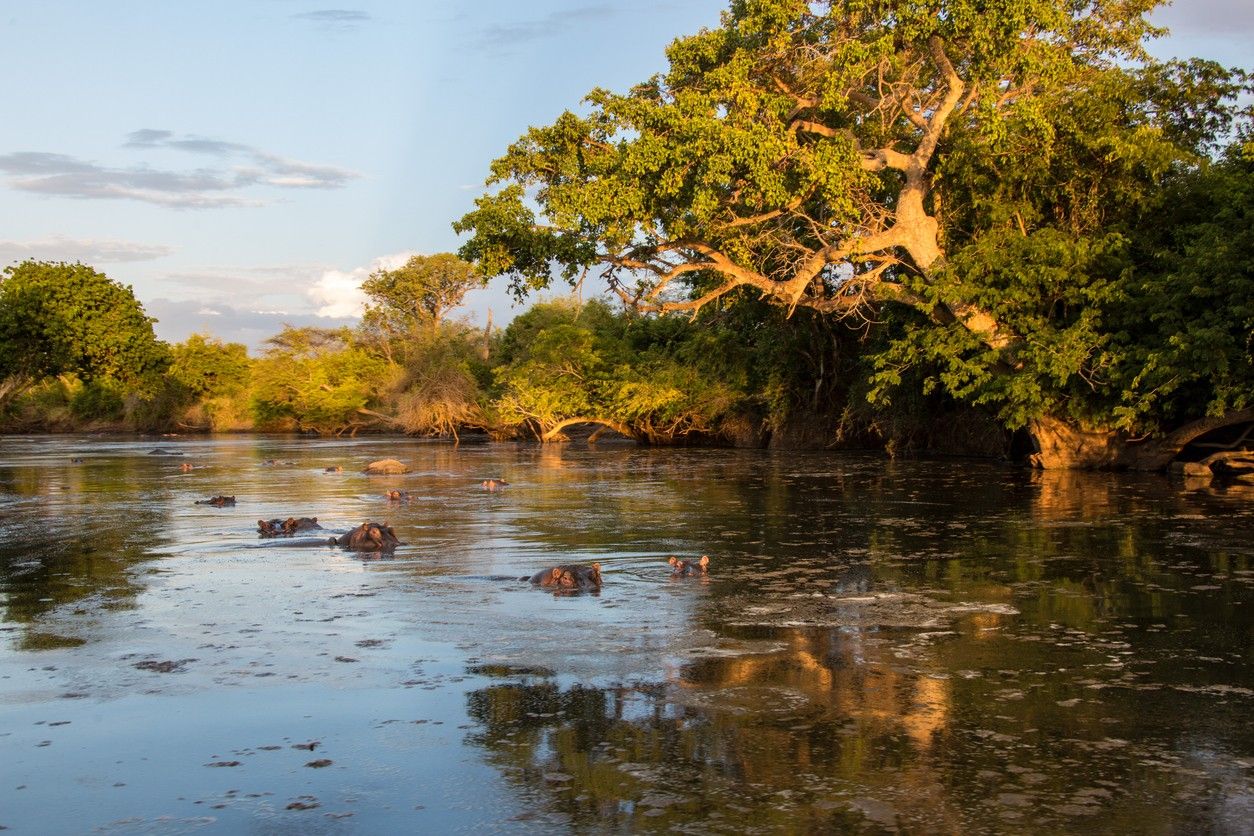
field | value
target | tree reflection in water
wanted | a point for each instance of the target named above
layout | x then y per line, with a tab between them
68	542
924	647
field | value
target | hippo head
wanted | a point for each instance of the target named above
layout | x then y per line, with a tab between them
287	527
689	567
371	537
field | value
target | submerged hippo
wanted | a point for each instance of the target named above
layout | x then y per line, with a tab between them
336	469
161	451
277	462
287	527
493	484
571	576
368	537
690	567
386	466
399	496
218	501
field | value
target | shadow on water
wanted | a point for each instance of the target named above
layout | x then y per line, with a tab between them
880	646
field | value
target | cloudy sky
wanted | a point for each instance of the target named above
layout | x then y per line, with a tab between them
246	164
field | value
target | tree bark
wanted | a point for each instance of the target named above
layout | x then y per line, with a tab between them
554	433
1066	445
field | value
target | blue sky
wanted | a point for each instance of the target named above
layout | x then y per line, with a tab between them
246	164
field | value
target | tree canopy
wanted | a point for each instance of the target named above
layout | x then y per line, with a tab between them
987	166
316	379
57	318
419	293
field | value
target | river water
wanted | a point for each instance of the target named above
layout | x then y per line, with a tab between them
921	647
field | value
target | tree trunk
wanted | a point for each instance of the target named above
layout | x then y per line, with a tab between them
12	386
554	433
1062	444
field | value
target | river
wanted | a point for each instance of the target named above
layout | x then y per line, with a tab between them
910	646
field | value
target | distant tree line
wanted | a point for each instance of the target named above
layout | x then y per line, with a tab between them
79	354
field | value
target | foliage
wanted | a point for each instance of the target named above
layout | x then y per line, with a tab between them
991	167
208	383
99	400
773	153
558	377
1186	332
207	367
1053	289
57	318
441	390
564	361
417	295
318	380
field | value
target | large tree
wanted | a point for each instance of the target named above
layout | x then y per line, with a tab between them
57	318
418	294
850	154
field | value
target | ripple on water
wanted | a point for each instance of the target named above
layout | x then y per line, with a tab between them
915	646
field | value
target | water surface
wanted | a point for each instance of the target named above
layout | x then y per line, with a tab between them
930	647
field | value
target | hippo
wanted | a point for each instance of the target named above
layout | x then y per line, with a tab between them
399	496
275	462
161	451
690	567
336	469
385	467
570	576
368	537
287	527
493	484
186	466
218	501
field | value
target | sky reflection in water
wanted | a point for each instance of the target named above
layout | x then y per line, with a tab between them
918	646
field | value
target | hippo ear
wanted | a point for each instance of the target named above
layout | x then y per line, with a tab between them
596	567
705	560
672	560
315	519
556	573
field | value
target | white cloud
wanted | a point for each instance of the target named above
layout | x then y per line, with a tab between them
61	175
338	293
86	250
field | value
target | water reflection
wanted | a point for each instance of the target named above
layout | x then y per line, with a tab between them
74	534
880	646
833	729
